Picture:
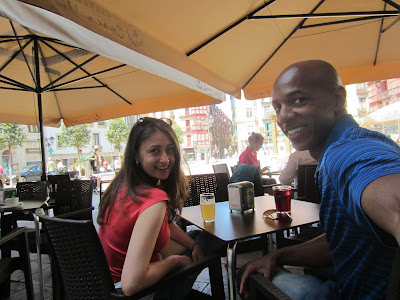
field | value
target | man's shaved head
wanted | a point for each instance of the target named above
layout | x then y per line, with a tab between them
309	100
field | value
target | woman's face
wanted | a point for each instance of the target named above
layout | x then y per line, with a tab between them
157	155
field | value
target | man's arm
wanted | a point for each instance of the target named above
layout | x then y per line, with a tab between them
381	202
314	253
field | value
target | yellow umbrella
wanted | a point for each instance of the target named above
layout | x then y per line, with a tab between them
234	45
44	79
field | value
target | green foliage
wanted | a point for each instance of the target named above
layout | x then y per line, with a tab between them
117	132
75	136
11	135
178	132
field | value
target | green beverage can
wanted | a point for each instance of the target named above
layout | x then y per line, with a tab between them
10	193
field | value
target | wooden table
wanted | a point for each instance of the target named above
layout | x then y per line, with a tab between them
234	226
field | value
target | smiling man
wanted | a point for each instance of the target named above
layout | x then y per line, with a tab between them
358	178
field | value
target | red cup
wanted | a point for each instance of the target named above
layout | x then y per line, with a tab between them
282	201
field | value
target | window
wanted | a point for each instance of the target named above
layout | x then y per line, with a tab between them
33	128
249	113
96	139
101	123
189	140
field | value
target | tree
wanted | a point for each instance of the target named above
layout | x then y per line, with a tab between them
75	136
11	136
117	133
178	132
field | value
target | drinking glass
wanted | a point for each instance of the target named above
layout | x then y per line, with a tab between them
282	201
207	205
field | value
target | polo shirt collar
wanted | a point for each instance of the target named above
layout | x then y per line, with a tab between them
340	129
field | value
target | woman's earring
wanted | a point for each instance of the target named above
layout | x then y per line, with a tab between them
137	162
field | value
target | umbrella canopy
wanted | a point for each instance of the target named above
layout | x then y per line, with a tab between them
80	86
388	113
43	79
234	45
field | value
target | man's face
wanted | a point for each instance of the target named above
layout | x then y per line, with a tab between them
304	108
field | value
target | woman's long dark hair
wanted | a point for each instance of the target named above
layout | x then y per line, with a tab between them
136	180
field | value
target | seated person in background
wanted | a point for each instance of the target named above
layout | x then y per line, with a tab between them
289	173
249	155
141	241
358	178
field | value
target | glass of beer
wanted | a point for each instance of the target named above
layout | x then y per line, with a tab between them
207	205
282	201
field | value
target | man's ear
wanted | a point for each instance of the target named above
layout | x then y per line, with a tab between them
340	98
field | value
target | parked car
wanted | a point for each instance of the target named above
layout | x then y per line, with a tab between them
29	173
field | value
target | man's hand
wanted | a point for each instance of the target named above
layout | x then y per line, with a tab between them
265	169
266	265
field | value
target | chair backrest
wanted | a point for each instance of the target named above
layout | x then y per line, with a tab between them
79	256
243	172
216	183
306	188
221	168
53	181
73	195
36	190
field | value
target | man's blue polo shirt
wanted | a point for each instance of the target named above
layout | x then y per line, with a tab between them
361	252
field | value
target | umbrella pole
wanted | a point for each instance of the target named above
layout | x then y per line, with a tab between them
43	178
39	100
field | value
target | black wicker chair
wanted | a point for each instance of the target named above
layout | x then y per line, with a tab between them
261	288
216	183
73	200
84	269
73	196
22	262
221	168
36	190
53	181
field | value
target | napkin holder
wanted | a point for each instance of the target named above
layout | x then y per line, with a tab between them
241	196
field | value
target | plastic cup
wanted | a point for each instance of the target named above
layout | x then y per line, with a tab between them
11	201
207	205
282	201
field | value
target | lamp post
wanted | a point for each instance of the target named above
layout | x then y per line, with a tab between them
272	116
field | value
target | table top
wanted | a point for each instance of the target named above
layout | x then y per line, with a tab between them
25	205
230	226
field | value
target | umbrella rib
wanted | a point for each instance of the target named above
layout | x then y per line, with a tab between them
12	57
88	76
23	54
13	82
390	25
344	21
283	42
229	28
88	73
394	4
323	15
70	71
379	40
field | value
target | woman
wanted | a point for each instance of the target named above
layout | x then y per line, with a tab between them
136	211
249	155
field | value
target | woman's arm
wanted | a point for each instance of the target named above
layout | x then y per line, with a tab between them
138	273
180	242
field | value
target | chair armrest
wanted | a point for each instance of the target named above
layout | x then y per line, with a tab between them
174	276
76	213
12	234
262	288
